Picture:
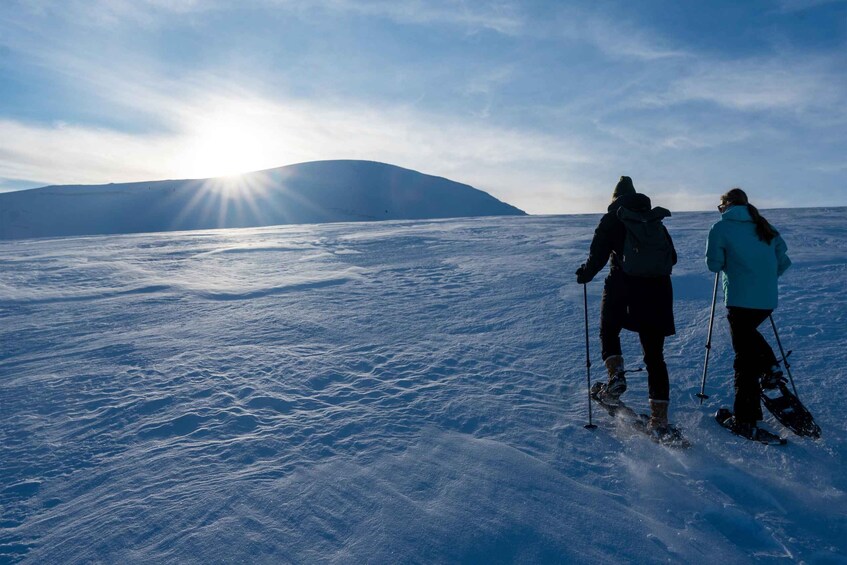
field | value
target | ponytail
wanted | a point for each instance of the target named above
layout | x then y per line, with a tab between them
764	229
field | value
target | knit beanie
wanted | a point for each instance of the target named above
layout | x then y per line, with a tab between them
623	188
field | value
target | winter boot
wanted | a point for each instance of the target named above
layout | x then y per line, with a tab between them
766	436
658	416
751	431
616	385
744	429
772	378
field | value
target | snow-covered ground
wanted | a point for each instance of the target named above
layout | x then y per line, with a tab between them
393	392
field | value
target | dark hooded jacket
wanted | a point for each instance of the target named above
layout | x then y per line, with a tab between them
649	299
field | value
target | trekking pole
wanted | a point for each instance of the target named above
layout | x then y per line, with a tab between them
784	357
589	425
702	394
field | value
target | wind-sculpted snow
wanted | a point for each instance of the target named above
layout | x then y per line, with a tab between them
392	392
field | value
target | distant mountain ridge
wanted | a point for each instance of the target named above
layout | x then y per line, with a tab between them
304	193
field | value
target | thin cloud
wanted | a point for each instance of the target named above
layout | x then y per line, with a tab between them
625	42
789	6
676	134
502	17
757	85
833	167
68	154
613	37
496	15
108	13
488	82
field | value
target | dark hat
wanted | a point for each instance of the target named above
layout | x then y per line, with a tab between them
623	187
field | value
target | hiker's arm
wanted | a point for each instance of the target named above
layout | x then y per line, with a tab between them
601	247
715	251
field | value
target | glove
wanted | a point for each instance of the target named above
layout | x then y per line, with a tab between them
582	276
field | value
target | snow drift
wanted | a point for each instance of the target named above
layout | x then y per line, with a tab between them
306	193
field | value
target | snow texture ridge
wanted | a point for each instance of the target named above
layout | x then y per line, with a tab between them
393	392
307	193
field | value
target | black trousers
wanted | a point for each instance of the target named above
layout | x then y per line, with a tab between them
613	313
753	356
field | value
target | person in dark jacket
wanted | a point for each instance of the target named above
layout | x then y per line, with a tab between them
639	304
752	255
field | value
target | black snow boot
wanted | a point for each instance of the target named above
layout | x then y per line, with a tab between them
772	378
753	431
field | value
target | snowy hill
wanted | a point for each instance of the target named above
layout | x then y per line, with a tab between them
393	392
307	193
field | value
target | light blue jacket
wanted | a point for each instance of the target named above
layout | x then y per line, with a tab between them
750	266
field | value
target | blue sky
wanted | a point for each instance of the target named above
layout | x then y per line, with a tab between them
542	104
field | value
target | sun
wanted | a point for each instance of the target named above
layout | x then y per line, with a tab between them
226	144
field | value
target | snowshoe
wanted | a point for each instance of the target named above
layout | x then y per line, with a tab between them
772	379
748	431
789	411
669	436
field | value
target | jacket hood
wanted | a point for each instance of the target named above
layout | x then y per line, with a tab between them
636	201
737	213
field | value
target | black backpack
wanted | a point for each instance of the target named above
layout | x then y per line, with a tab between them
647	248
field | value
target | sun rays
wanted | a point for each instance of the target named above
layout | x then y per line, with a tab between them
252	199
237	200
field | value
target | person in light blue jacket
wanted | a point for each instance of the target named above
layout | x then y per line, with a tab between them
752	256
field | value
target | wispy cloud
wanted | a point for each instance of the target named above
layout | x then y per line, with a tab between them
106	13
500	16
64	153
831	167
758	84
619	39
788	6
676	134
626	42
496	15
